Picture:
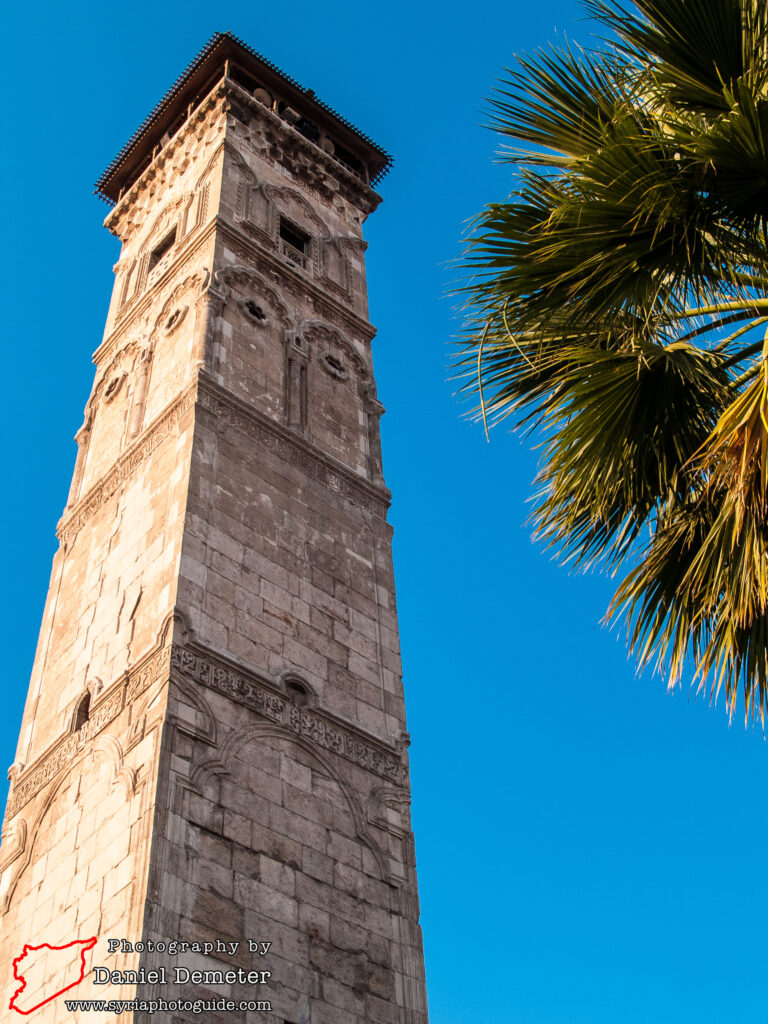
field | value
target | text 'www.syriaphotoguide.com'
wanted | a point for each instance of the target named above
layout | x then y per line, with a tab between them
157	1005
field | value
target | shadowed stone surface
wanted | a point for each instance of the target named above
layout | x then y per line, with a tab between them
214	746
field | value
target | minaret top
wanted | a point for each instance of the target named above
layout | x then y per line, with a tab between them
226	56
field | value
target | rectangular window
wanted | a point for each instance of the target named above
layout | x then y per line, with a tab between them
293	242
161	249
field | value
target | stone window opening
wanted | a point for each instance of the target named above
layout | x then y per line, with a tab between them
113	387
83	713
334	366
294	242
255	311
298	694
162	249
172	320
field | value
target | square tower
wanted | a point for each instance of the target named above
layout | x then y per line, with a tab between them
213	748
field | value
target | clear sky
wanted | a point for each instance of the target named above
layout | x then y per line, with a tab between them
589	847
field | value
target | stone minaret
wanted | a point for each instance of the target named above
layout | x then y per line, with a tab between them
214	747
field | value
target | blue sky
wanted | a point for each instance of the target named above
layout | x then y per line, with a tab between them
589	846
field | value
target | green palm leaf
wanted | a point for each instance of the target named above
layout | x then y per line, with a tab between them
624	429
617	304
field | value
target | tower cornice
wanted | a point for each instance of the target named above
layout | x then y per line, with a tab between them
154	175
226	56
316	168
318	165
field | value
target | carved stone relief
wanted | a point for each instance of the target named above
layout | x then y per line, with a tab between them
373	411
186	215
292	449
193	716
335	265
296	399
124	380
327	337
233	745
152	668
22	837
250	285
260	206
316	726
76	516
202	132
317	170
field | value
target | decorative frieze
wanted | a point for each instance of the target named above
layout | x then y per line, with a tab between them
145	673
313	724
318	171
29	783
72	522
248	421
290	448
63	753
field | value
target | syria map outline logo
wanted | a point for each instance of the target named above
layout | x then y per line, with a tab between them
85	944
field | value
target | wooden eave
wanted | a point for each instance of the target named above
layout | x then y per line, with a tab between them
224	51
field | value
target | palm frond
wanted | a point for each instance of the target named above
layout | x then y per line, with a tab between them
559	101
624	427
695	46
733	153
616	305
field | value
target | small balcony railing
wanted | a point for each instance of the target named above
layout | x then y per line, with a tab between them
295	255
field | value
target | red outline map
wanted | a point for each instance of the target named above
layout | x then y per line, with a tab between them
85	943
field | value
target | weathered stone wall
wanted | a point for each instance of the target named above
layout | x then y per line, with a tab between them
287	788
79	822
78	836
114	576
224	595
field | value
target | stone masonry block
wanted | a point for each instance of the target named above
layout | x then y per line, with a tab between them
200	501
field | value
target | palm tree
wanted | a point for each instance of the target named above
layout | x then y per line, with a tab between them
618	306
